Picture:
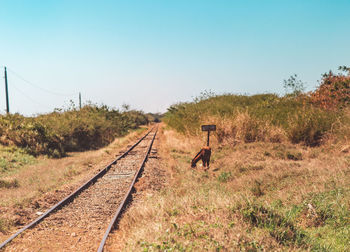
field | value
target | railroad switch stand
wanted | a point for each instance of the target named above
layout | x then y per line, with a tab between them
205	152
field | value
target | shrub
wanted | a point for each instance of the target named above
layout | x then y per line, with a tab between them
12	158
264	117
56	133
334	90
308	126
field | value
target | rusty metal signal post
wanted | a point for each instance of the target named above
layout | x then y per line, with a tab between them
208	128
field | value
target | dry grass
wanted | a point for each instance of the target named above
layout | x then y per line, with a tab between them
262	117
9	183
256	196
40	185
244	128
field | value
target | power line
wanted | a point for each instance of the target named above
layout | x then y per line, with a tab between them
38	87
28	97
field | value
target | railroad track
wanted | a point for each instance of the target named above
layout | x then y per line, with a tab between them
83	220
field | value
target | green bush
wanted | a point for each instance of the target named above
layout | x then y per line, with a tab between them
309	125
264	117
13	157
56	133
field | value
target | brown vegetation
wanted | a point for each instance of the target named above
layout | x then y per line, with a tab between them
334	90
278	178
256	196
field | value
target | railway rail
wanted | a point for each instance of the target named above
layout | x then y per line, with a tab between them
77	222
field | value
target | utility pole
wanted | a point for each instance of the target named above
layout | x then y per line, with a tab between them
7	94
79	100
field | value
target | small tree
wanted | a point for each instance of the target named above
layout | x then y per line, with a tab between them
293	86
334	90
125	107
344	69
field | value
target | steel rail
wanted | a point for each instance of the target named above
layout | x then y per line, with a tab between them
125	200
74	194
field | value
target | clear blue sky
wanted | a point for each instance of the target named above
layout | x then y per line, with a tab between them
151	54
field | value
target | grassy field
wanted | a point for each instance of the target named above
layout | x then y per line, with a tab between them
278	181
256	196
